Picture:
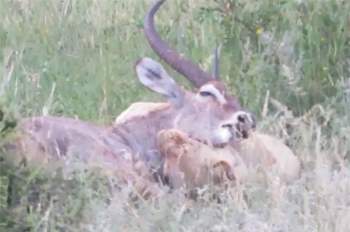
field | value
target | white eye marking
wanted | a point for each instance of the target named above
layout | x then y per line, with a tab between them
210	89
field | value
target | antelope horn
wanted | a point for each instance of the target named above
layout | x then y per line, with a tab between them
216	63
184	66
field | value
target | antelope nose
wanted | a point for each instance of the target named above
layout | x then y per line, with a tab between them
241	124
245	123
248	119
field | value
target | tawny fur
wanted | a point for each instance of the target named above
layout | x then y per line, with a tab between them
192	164
262	150
139	109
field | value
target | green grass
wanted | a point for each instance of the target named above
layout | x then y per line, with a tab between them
75	58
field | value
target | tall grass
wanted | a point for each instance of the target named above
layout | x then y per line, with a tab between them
75	58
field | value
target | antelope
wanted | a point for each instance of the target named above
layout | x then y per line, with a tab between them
209	115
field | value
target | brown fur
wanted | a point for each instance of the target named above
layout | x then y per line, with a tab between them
53	143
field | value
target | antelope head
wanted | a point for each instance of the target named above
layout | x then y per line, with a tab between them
210	114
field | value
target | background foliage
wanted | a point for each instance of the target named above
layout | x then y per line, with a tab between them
288	61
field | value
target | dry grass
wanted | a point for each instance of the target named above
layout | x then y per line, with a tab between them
75	58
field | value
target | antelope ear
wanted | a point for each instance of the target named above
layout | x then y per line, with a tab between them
152	75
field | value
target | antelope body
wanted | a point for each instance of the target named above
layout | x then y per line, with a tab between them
210	115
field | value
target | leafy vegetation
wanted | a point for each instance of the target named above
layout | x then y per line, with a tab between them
288	61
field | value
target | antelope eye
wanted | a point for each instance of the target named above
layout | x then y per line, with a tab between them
206	94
